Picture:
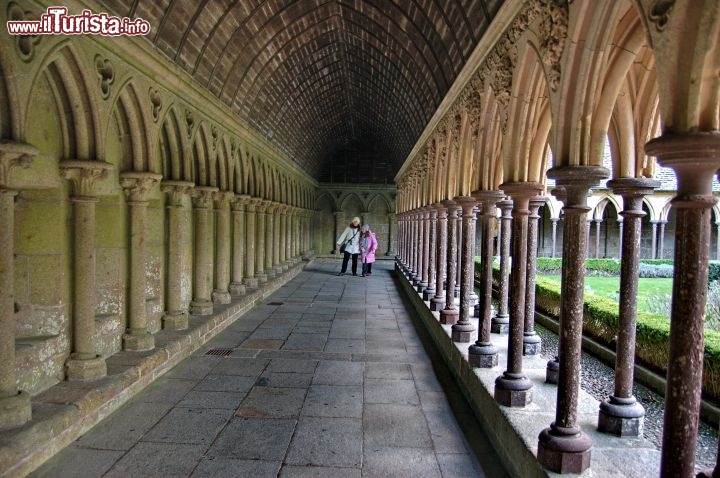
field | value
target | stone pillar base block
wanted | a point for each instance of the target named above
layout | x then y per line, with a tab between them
221	297
457	292
474	299
278	270
623	420
421	286
462	333
84	370
428	293
449	316
482	356
285	267
251	282
175	321
262	278
436	304
564	454
552	372
532	343
236	288
500	324
270	274
138	342
15	410
201	307
513	390
531	349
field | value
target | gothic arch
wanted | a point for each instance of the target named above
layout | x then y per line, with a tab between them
129	121
176	164
224	166
202	155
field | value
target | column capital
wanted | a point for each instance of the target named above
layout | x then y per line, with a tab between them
177	190
391	215
522	189
577	181
271	207
140	186
261	205
505	207
14	155
85	175
693	157
202	196
239	202
633	186
223	198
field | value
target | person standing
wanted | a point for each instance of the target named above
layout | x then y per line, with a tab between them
350	239
368	246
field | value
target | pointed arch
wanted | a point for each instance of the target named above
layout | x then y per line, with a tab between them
129	123
175	163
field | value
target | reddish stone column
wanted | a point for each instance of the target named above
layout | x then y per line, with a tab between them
424	248
483	353
695	157
416	247
513	388
501	322
449	314
429	291
463	330
458	257
531	340
563	447
438	302
621	414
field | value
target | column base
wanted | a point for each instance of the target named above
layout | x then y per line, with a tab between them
482	355
500	324
285	267
278	270
428	293
236	288
474	299
270	274
457	292
552	371
621	417
85	369
563	452
462	333
421	286
201	307
15	410
476	311
175	320
513	390
532	344
252	282
449	316
436	304
138	341
221	297
262	278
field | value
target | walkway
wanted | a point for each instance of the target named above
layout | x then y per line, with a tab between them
328	378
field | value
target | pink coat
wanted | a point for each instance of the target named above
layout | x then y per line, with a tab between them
368	246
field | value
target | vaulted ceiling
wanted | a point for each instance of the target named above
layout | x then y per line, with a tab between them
314	76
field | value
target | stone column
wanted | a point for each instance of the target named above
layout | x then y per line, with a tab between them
202	280
598	222
84	362
339	223
438	302
653	254
15	407
287	219
391	217
449	314
138	187
563	447
474	299
501	322
621	414
620	244
717	247
695	157
531	340
284	238
483	353
513	388
429	291
176	310
423	249
260	244
415	247
237	287
661	240
463	330
458	249
221	293
277	220
269	239
251	278
364	217
555	221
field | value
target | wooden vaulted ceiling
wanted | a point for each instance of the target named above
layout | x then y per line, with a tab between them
313	76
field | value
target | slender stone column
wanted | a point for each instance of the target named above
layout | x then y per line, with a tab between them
391	217
429	291
269	239
277	221
513	388
296	234
364	217
563	447
202	204
458	259
620	245
483	353
260	241
84	362
463	330
621	414
251	278
287	219
424	248
450	314
555	221
15	407
284	238
474	299
138	187
717	247
176	309
661	240
653	254
695	157
532	344
415	246
339	221
237	205
221	293
402	241
501	322
438	302
598	222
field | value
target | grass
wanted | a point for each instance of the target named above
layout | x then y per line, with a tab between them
609	287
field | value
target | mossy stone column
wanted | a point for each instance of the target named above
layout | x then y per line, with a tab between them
532	343
429	291
269	239
463	330
500	323
251	279
695	157
221	293
260	241
277	223
449	314
483	353
203	274
621	414
139	187
15	407
84	362
438	302
563	447
237	205
284	238
178	238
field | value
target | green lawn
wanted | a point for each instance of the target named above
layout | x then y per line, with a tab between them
648	289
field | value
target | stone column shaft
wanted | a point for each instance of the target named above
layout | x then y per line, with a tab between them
221	293
203	275
438	302
277	223
237	286
391	218
425	249
661	240
554	234
532	343
269	240
260	242
598	222
463	330
653	254
501	322
251	279
449	314
429	291
620	247
176	311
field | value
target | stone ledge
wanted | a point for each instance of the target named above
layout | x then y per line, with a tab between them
65	411
514	432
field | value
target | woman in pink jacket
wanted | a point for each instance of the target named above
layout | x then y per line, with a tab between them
368	245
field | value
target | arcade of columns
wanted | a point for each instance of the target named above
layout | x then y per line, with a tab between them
550	85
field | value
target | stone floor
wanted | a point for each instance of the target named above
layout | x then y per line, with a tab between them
327	378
